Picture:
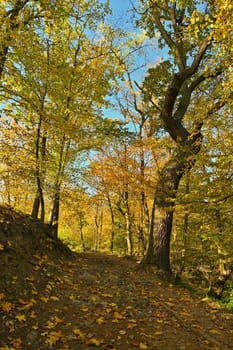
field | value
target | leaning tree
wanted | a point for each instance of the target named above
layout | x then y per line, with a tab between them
182	92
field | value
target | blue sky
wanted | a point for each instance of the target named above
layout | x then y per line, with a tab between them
119	6
120	12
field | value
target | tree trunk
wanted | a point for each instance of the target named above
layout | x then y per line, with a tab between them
165	195
36	205
162	241
149	256
129	239
81	235
112	223
54	218
38	201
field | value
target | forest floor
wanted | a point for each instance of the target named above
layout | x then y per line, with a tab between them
51	298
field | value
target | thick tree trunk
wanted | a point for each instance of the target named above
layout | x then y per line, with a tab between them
162	241
165	196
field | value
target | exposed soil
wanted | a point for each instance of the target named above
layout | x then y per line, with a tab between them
51	298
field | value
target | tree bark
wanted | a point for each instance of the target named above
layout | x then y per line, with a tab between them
158	252
112	223
162	241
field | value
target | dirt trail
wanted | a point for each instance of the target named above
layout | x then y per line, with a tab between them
105	302
51	298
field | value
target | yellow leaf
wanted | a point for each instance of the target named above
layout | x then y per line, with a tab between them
185	314
100	320
107	295
143	346
21	318
1	247
84	308
214	331
131	325
33	314
50	324
54	337
79	333
57	319
119	316
94	342
54	298
158	333
44	299
169	304
115	321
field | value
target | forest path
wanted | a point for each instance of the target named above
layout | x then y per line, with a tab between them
102	301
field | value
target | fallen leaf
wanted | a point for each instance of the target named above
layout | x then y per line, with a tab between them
7	306
44	299
131	325
54	337
84	308
94	342
100	320
33	314
107	295
118	316
214	331
17	343
79	334
21	318
2	296
143	346
10	325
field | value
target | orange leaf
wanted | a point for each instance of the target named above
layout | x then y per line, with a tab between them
2	296
7	306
